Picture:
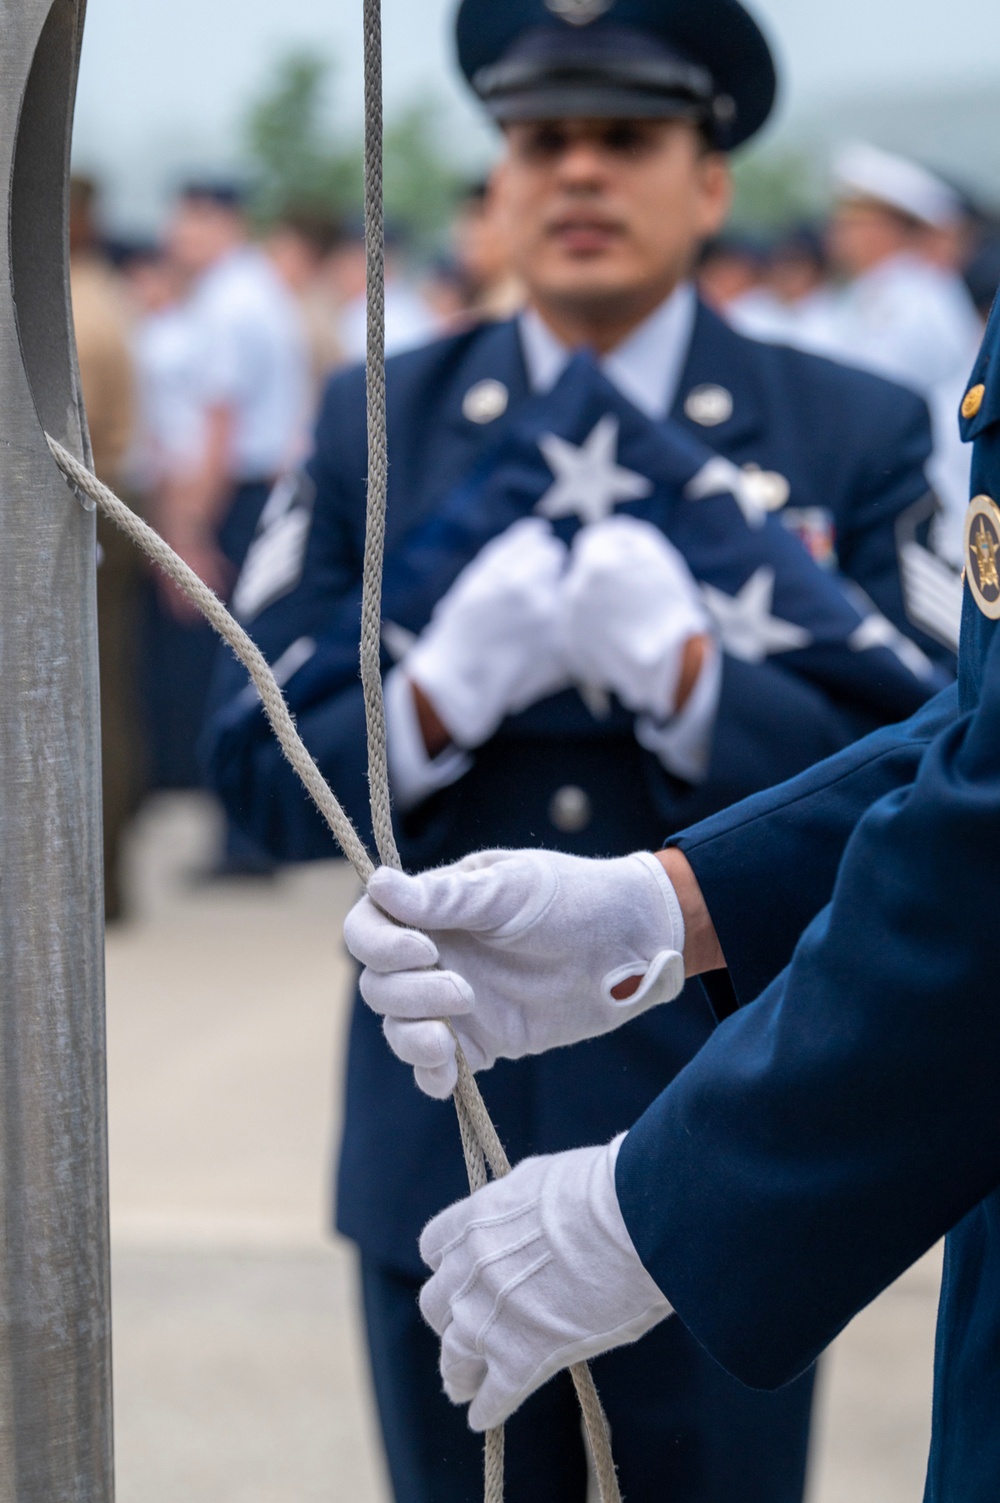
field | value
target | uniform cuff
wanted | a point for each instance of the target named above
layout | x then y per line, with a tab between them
413	774
683	744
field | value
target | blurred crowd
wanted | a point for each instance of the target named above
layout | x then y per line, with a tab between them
900	280
203	357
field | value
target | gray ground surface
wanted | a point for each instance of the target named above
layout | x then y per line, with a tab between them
239	1373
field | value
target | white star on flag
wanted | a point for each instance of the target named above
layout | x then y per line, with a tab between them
876	631
746	626
718	476
589	480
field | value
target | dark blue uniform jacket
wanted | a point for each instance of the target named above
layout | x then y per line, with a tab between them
834	1128
852	448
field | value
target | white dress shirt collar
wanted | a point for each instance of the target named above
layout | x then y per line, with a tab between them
646	367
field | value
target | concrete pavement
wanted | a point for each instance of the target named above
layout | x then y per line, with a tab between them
239	1371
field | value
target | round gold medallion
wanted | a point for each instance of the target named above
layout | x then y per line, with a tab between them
982	551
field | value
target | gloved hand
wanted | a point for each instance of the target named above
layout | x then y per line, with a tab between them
531	945
630	605
491	649
531	1274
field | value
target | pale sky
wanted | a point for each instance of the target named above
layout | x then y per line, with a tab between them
164	82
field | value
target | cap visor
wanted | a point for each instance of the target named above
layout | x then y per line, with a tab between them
590	102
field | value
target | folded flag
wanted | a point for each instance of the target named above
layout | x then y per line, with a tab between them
575	456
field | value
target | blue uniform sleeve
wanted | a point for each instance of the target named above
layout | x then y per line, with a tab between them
784	847
243	761
829	1133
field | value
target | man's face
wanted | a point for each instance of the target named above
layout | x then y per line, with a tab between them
481	242
862	234
608	213
200	232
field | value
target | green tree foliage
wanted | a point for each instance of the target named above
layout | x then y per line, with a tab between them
421	184
294	157
773	190
298	158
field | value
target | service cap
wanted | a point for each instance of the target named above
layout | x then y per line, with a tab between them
705	60
221	192
866	172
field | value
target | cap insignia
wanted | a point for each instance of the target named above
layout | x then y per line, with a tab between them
579	12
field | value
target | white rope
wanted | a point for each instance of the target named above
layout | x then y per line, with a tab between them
378	446
480	1140
473	1119
243	645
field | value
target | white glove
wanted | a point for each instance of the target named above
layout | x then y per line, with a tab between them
630	604
531	1274
491	647
531	945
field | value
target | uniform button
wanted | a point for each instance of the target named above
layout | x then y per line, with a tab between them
709	405
485	402
973	401
570	810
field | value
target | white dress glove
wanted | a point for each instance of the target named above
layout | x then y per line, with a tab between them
530	945
630	604
491	648
532	1274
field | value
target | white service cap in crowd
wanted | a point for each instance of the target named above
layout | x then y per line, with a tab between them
864	171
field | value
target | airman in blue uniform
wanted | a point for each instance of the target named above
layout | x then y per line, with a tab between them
508	451
842	1118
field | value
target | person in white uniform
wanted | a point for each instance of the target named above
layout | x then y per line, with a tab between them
237	384
795	302
902	313
409	318
251	382
170	436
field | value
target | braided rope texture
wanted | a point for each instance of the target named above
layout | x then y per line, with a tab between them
470	1120
378	445
480	1141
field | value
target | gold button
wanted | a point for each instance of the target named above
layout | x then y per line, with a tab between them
973	401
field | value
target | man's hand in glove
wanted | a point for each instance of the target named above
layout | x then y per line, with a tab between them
491	647
533	949
532	1274
631	610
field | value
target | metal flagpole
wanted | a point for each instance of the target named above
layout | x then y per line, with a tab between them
55	1365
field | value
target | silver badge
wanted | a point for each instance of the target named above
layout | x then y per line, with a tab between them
769	488
485	402
579	12
709	405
